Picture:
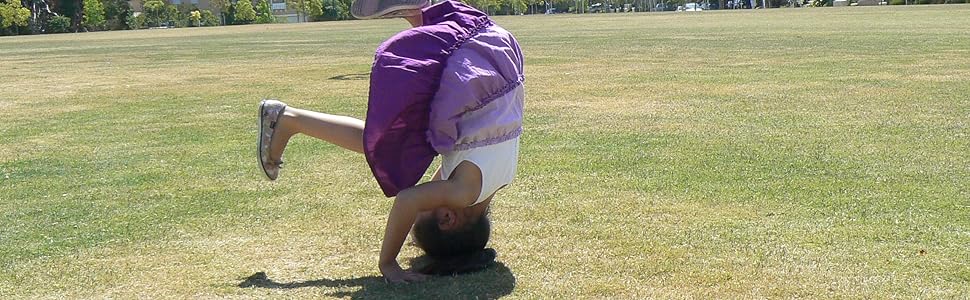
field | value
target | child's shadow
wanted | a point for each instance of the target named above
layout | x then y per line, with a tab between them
494	282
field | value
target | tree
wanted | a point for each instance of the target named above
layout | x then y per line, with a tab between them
314	8
13	15
537	6
196	18
208	19
59	24
183	14
263	13
311	10
172	14
336	10
93	14
515	7
116	14
135	22
154	11
73	9
244	12
300	7
221	7
485	5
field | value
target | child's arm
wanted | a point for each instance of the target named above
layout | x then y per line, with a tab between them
409	202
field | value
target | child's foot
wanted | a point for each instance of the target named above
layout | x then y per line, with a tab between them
270	112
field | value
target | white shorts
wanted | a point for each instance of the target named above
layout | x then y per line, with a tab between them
497	162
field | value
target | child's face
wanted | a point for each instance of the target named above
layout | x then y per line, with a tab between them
447	218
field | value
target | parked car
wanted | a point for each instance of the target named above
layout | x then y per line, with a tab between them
693	6
665	6
599	7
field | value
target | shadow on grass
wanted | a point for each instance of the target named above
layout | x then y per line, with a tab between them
494	282
361	76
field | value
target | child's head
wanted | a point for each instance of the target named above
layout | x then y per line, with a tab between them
446	232
454	241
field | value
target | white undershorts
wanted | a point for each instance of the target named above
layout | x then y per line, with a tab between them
497	162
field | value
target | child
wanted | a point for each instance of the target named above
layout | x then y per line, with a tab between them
450	85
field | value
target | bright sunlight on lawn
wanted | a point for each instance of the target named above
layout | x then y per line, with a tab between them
787	153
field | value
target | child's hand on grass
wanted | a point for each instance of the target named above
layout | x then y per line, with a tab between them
408	203
394	274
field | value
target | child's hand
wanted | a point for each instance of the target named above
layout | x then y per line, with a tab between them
394	274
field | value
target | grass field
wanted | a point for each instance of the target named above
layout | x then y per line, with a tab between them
787	153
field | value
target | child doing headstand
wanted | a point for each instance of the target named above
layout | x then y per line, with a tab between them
450	85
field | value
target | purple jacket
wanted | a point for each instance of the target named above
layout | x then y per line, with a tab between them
453	84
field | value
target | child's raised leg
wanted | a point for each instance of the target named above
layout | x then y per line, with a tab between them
343	131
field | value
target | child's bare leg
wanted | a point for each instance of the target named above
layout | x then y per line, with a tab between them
346	132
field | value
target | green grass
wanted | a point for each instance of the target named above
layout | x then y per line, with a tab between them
787	153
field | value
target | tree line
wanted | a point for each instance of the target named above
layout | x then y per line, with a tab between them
57	16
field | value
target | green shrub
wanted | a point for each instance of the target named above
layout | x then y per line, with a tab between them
245	14
209	19
135	22
314	8
59	24
174	18
116	13
338	11
94	18
12	17
183	15
195	18
334	10
154	12
897	2
116	24
264	14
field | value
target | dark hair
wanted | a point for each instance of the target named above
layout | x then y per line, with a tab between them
454	252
